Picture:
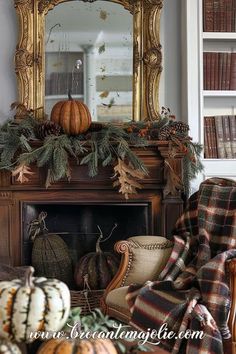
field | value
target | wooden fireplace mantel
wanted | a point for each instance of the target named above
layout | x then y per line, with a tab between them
164	209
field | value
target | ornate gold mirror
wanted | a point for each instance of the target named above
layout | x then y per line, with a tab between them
107	52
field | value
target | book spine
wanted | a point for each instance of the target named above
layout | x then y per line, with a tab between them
233	72
208	70
213	137
224	69
234	17
209	137
228	71
220	70
204	71
229	14
216	15
232	126
220	137
226	133
206	139
216	72
212	71
222	16
208	17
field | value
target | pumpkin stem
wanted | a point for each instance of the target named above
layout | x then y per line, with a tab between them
29	277
69	95
98	248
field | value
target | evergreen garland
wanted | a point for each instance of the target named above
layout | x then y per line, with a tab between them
108	146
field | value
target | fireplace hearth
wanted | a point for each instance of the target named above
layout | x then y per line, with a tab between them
76	207
77	224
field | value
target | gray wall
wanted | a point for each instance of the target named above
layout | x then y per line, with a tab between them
170	88
8	39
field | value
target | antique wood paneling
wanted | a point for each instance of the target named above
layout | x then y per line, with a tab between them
5	226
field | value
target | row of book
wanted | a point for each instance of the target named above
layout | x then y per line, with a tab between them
59	83
219	15
220	137
219	71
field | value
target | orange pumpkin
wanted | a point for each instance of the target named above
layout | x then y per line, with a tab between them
84	346
72	115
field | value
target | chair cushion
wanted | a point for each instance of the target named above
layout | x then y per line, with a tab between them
116	300
148	256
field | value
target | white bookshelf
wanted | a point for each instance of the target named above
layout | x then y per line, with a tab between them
215	102
199	102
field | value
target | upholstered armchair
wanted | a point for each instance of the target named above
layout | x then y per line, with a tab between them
143	258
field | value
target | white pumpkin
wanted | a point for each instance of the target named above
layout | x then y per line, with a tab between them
32	304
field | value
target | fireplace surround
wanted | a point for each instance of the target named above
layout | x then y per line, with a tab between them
76	207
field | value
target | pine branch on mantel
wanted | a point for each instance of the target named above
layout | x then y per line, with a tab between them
110	146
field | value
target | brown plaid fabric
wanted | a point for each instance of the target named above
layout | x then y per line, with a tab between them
192	290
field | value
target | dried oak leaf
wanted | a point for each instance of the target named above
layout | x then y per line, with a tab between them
21	171
126	177
173	181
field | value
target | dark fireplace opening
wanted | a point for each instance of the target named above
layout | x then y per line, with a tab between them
77	224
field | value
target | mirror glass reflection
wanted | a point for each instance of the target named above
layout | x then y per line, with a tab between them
89	49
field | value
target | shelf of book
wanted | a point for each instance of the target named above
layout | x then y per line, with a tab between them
220	137
217	56
218	16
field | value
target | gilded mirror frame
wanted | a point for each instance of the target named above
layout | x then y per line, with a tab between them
147	56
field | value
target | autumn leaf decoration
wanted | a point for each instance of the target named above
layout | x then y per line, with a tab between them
21	171
126	178
173	181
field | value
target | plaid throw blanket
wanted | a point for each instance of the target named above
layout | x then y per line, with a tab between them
192	290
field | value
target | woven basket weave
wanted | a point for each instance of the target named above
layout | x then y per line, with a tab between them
87	299
51	258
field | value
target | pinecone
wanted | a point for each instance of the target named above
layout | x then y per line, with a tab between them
26	132
180	127
154	134
95	127
166	132
47	128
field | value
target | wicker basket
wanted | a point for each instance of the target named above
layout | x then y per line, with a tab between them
88	300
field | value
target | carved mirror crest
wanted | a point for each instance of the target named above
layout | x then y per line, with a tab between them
114	71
